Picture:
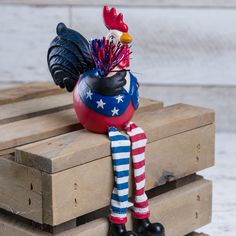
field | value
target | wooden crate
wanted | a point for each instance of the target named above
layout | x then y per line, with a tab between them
47	159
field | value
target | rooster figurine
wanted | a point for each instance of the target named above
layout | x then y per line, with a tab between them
105	95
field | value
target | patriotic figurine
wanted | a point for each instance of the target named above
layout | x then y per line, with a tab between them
105	96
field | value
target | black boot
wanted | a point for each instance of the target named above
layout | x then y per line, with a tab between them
145	228
119	230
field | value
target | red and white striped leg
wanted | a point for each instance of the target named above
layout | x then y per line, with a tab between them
139	141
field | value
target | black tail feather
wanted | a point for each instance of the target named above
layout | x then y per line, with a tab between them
68	57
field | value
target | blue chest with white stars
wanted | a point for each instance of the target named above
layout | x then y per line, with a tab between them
110	106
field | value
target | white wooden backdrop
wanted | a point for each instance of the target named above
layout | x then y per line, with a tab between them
184	46
184	51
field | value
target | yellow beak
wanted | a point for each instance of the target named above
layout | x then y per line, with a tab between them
126	38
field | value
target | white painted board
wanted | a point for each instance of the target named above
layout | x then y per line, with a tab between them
174	46
25	34
171	45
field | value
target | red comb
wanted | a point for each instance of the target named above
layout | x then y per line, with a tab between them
114	21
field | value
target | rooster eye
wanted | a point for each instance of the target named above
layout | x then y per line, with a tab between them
112	37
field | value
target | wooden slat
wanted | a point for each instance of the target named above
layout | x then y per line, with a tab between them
45	126
28	91
79	147
154	3
35	107
20	190
75	192
181	211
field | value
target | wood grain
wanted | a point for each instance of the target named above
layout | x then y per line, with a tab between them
80	147
67	194
35	107
179	206
20	190
45	126
28	91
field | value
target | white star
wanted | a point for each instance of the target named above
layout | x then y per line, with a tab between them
115	111
89	95
101	104
119	98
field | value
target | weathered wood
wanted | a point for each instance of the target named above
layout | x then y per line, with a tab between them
177	210
28	91
181	211
77	191
37	128
45	126
79	147
35	107
134	3
20	189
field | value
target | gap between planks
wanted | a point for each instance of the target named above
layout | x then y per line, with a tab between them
189	207
28	91
35	107
79	147
166	160
33	129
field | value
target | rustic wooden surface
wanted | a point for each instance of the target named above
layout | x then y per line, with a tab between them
166	160
28	91
45	126
176	156
70	150
20	190
167	208
35	107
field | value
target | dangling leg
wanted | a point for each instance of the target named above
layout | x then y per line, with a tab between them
141	212
120	148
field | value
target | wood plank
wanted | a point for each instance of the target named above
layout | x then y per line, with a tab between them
20	189
12	227
67	194
80	147
45	126
150	3
181	206
35	107
28	91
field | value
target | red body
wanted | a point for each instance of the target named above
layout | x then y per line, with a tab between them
97	122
